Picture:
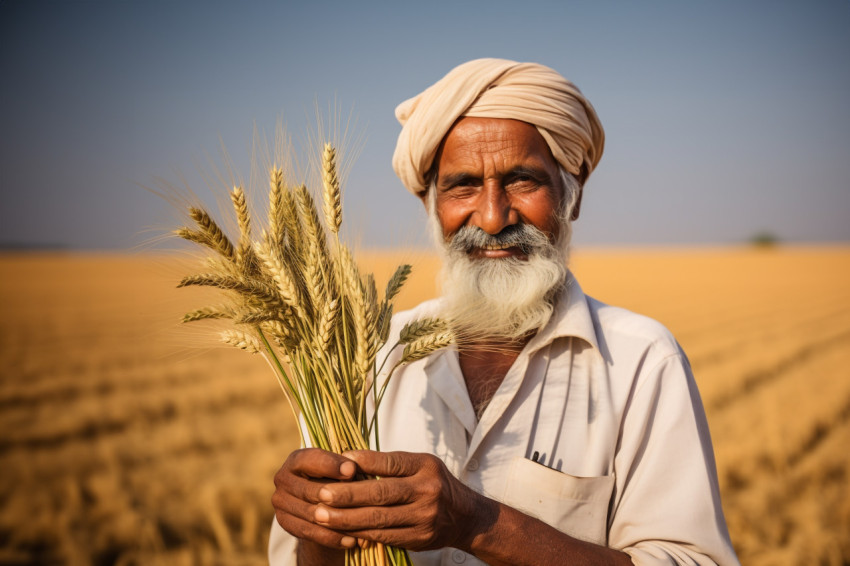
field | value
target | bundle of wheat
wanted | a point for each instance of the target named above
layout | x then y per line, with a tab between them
303	304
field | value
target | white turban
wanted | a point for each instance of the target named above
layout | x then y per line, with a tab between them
498	88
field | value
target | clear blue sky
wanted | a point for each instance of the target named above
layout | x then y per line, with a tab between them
722	118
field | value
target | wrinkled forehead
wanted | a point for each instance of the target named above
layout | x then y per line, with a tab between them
472	142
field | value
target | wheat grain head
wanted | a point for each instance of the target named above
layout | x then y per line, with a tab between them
401	274
284	282
276	229
217	240
332	195
416	329
248	289
208	313
241	340
425	346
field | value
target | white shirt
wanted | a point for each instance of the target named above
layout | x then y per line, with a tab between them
607	400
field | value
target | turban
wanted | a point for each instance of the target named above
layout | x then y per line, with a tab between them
498	88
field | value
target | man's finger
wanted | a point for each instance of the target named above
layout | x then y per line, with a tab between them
369	492
316	463
364	518
304	488
297	505
391	464
309	530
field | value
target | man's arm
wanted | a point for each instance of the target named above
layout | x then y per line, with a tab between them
517	539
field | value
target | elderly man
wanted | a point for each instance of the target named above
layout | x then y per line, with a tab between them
560	430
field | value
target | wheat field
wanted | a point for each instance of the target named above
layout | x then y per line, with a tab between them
126	438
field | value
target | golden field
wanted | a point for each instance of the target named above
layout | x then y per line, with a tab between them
126	438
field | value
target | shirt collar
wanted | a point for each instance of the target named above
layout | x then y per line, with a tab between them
571	317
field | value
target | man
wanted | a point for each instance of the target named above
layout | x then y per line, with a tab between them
560	430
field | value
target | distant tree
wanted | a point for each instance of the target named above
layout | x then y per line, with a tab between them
764	239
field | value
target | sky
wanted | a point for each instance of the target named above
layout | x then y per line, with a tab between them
722	119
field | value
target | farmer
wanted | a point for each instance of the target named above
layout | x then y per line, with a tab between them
560	430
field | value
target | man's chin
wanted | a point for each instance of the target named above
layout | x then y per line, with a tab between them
500	298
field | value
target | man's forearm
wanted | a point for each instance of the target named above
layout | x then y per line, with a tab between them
502	536
512	538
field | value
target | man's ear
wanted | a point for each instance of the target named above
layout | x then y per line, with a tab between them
577	207
423	196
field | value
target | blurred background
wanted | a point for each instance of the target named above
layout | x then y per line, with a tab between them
723	120
721	207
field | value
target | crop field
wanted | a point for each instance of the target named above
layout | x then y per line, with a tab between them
128	438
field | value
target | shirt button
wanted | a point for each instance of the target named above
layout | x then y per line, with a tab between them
472	465
459	557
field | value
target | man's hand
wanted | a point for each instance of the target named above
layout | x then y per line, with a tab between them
416	504
298	483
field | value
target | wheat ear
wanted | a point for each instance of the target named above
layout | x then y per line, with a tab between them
425	346
385	312
241	340
315	255
285	284
370	296
384	322
243	218
359	312
401	274
256	316
417	329
208	313
332	194
249	289
289	223
277	224
283	335
218	241
326	325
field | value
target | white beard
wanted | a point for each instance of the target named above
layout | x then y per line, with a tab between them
502	299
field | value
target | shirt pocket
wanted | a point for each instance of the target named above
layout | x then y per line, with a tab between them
573	505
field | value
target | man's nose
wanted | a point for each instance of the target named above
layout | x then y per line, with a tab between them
495	211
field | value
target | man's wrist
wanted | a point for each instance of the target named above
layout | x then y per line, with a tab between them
481	514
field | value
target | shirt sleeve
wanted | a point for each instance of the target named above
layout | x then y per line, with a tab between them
283	547
666	507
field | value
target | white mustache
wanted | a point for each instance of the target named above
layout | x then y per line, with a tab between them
527	238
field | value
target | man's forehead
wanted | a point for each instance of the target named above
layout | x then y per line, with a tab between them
510	142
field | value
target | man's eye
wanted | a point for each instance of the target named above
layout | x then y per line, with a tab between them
462	186
523	182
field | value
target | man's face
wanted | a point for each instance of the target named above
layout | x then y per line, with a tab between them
494	173
504	231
